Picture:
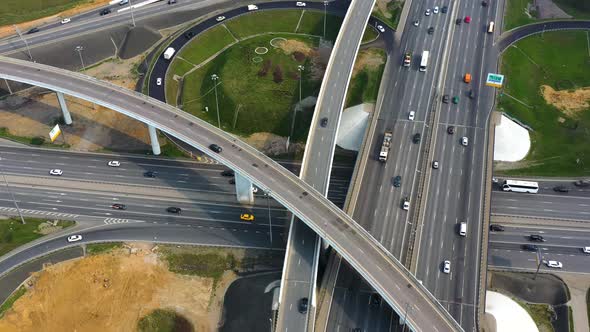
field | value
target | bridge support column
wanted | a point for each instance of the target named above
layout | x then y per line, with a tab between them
64	108
244	190
154	140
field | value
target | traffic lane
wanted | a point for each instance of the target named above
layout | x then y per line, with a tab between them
544	206
553	237
514	35
179	234
544	248
527	261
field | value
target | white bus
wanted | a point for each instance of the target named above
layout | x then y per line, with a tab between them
521	186
424	61
491	27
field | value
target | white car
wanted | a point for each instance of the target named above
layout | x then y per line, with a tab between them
406	205
427	12
114	163
411	115
554	264
380	28
254	190
416	23
159	81
74	238
66	20
586	250
57	172
447	267
300	4
252	7
435	164
464	141
220	18
435	10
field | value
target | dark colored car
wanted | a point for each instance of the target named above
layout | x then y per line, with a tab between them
536	238
445	99
228	172
582	183
375	300
171	2
150	174
303	303
105	11
444	9
174	209
232	181
324	122
530	247
484	3
430	30
189	34
455	100
397	181
416	138
458	21
118	206
451	130
561	189
33	30
215	148
471	94
496	228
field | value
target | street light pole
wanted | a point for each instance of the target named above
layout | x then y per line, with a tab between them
325	14
214	77
300	68
79	49
539	262
269	217
22	219
132	17
406	315
24	41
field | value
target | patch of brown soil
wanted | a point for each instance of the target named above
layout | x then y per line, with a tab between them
9	29
369	58
111	292
568	101
271	144
291	46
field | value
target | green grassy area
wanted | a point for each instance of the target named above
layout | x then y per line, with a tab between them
515	14
579	9
588	303
312	23
207	264
264	21
570	316
391	15
18	11
253	96
215	40
163	320
364	86
100	248
171	150
11	299
38	141
14	234
559	141
541	314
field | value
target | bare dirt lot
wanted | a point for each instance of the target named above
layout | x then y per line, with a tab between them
94	127
569	102
111	292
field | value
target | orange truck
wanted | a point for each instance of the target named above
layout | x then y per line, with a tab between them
467	78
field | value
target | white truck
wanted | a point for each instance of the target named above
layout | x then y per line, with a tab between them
384	153
169	53
252	7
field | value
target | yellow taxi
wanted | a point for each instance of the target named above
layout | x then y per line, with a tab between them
247	217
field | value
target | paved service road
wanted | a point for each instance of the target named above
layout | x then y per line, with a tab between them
381	270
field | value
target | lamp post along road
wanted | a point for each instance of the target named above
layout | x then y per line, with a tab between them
325	15
214	77
79	49
132	17
24	41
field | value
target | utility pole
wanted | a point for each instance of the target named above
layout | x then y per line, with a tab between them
79	49
13	199
300	68
325	15
267	193
132	17
214	77
24	41
408	308
539	262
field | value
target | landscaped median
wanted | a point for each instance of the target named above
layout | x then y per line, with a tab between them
248	73
13	233
547	87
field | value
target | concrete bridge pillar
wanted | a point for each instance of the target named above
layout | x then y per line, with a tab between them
64	108
154	140
244	190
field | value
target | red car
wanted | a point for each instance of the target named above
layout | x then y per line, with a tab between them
467	19
118	206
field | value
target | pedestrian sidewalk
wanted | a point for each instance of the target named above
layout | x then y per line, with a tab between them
578	286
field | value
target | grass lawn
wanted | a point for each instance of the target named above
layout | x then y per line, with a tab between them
14	234
391	16
561	61
249	96
161	320
264	21
99	248
17	11
39	141
215	40
364	86
579	9
10	300
312	23
207	265
540	313
515	14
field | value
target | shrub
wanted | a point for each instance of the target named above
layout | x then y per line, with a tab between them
265	68
37	140
277	74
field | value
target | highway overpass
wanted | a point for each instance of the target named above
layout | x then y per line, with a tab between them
358	247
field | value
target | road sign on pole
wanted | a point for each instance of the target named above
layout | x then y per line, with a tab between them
54	133
495	80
